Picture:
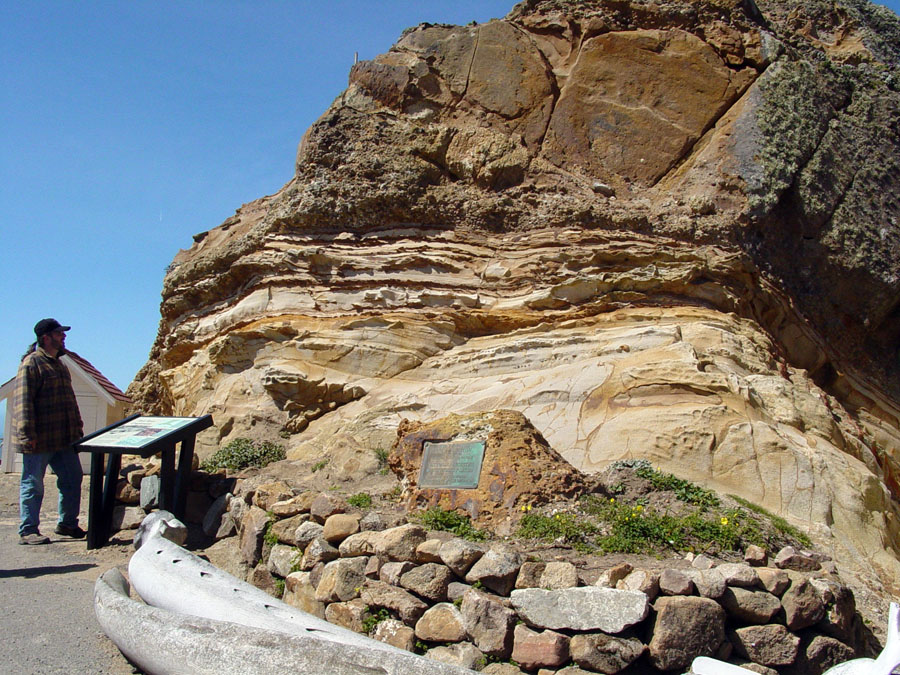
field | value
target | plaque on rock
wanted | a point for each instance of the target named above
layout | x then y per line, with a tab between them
453	464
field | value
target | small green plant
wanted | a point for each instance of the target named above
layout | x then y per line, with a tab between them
372	619
685	490
567	526
242	453
296	560
450	521
361	500
382	456
279	587
269	536
320	465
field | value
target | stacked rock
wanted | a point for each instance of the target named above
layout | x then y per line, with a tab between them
485	607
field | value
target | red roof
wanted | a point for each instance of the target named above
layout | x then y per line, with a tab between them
87	367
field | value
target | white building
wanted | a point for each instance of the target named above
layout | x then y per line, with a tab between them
100	402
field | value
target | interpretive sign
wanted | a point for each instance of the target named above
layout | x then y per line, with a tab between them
139	432
144	436
452	464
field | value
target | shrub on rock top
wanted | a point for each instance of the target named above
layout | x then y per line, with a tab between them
242	453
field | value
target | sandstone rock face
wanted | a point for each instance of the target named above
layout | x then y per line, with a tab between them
656	229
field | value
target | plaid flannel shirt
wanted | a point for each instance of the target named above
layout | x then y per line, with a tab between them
45	409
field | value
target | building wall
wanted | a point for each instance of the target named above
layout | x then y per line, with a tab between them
96	413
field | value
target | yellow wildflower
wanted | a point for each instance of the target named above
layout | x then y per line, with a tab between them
724	520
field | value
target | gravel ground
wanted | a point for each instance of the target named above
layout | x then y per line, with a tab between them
46	593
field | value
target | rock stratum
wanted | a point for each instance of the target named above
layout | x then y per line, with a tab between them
660	230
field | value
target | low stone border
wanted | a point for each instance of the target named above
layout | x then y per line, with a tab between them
485	607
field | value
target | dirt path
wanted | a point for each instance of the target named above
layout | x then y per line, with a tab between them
46	594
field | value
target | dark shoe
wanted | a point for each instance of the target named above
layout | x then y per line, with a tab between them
33	539
66	531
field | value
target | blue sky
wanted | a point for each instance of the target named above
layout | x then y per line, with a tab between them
130	126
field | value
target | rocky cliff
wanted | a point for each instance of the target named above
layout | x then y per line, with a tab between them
658	229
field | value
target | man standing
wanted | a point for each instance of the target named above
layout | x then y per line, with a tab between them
47	422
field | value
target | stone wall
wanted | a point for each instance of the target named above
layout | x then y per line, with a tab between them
495	608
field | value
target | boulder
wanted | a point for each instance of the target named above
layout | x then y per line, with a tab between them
519	467
253	529
459	555
749	606
299	592
429	581
396	634
497	570
544	649
340	526
803	605
585	608
404	604
685	628
488	624
341	580
283	560
605	653
268	494
442	622
326	505
557	575
351	614
463	654
771	645
399	543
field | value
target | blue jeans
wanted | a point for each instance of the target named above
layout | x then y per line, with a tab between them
31	487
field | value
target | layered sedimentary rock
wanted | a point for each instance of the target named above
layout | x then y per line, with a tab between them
664	230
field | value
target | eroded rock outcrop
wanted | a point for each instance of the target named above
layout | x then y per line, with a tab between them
664	230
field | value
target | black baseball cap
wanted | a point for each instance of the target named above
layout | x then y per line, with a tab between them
45	326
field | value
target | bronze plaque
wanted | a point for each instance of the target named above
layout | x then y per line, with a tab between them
453	464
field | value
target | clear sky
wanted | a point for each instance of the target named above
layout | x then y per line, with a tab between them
129	126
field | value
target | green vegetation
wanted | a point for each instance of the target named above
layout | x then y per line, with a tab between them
685	490
320	464
269	537
663	515
567	526
612	526
450	521
382	456
778	522
242	453
361	500
296	560
370	620
279	586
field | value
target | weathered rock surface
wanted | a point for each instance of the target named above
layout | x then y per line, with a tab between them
685	628
581	609
656	229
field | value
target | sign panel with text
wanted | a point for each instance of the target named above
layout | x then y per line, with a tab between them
139	432
451	464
